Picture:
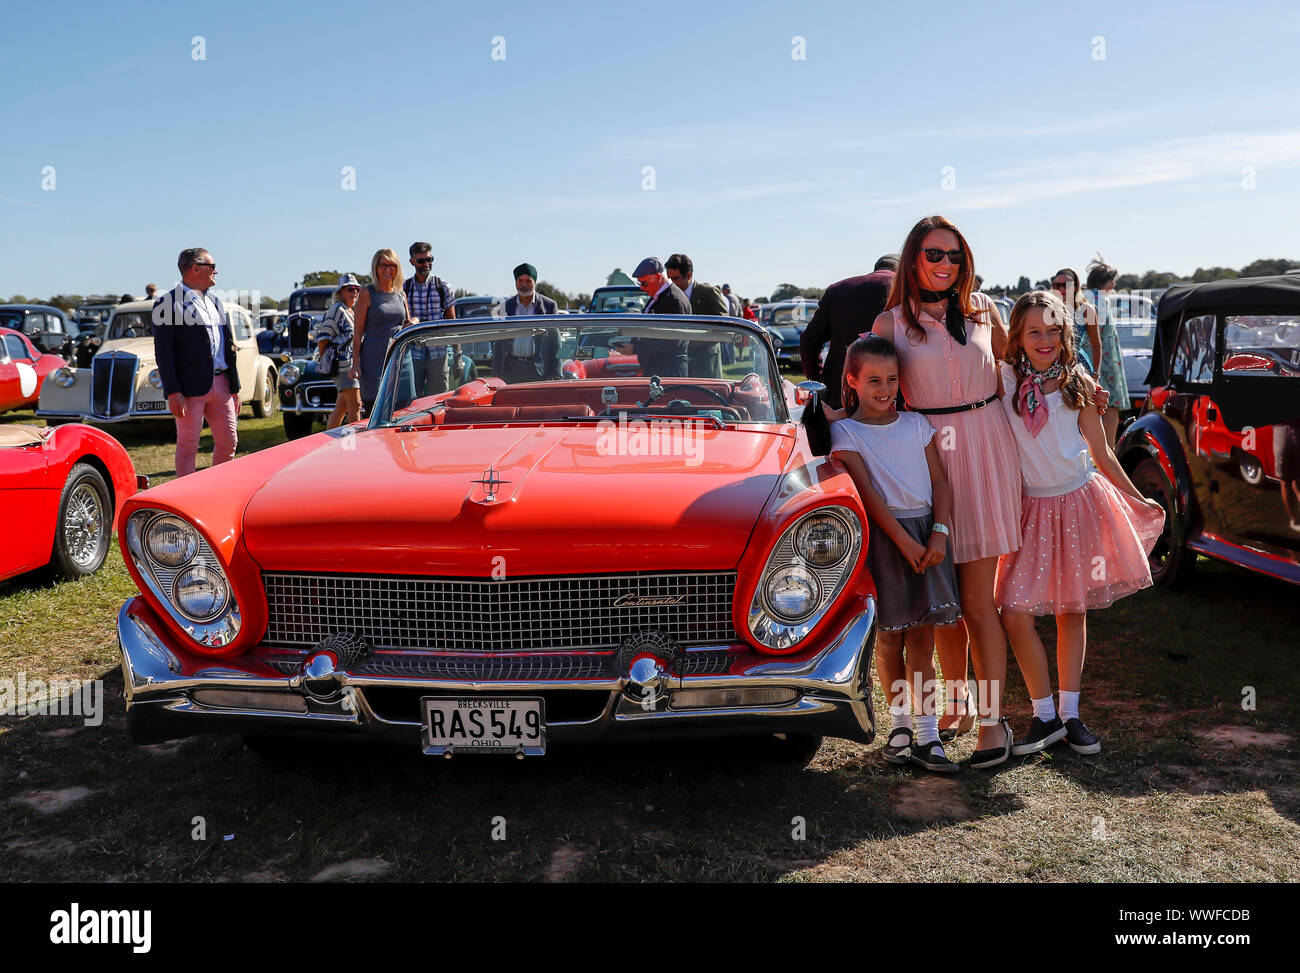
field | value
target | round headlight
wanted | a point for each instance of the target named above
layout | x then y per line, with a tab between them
289	374
822	541
792	592
279	327
171	542
155	379
64	377
200	593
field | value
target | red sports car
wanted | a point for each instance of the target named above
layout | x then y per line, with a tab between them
60	490
23	368
500	567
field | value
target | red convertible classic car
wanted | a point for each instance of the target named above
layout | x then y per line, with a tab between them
23	369
1218	443
502	566
59	489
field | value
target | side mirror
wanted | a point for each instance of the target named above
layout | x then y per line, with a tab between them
809	392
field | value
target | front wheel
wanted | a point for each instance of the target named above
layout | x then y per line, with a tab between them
1171	561
265	404
296	426
85	526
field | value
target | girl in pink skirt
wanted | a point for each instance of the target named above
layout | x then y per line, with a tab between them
1086	531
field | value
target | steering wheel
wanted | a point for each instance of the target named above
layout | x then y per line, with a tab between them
701	388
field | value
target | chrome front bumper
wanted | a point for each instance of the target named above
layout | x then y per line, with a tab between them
170	694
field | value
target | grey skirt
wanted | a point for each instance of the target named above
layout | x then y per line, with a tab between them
342	382
905	599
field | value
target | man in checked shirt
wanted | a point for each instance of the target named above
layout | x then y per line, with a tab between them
429	298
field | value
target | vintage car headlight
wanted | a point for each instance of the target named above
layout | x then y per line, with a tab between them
807	569
200	592
278	327
64	377
792	592
289	374
155	379
822	541
171	542
183	573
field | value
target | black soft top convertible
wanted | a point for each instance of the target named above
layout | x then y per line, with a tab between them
1241	405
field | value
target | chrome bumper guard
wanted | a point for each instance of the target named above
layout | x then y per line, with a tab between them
167	699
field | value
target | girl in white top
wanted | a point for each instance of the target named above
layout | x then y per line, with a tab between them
1086	530
910	507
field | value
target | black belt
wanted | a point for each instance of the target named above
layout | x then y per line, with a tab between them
969	407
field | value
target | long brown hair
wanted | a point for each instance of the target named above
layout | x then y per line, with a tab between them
1076	388
1079	298
905	292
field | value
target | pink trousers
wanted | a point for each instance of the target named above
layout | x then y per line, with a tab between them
221	409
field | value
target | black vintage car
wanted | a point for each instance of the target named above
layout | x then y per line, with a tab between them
291	332
46	327
1218	440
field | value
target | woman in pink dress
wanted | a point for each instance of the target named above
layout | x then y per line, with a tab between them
948	341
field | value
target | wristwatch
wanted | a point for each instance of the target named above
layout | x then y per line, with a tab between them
939	528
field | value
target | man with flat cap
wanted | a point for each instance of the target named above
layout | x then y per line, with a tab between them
530	358
705	356
661	356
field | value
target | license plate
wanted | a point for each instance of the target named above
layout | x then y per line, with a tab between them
484	724
151	406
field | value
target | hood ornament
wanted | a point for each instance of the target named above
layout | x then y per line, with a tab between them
491	480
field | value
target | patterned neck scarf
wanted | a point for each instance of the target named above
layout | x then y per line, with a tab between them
1032	400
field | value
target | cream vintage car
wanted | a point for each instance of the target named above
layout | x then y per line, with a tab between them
122	381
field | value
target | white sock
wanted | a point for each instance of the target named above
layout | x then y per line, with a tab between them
1069	705
1044	709
900	716
927	729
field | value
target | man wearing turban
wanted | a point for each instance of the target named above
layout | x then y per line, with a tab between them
528	358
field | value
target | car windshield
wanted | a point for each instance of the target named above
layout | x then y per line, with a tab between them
619	302
131	324
475	309
544	370
1136	334
1131	305
795	314
11	319
310	301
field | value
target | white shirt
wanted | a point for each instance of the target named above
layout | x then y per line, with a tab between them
523	347
894	455
204	312
1056	461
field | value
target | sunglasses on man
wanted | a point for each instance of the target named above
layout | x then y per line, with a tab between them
421	261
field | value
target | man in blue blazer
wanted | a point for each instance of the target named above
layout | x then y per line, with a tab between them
196	355
529	359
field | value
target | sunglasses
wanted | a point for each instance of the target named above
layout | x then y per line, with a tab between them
1059	285
204	263
936	255
420	261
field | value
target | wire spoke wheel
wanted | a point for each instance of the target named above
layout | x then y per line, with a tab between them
84	525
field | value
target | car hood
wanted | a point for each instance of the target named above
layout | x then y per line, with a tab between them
142	348
571	500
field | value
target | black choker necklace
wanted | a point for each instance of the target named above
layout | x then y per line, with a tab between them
954	320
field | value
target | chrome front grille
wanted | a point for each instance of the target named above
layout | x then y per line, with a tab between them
112	385
528	614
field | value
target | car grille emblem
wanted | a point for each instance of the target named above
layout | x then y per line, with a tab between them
634	600
491	480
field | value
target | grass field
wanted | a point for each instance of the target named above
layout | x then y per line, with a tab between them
1191	786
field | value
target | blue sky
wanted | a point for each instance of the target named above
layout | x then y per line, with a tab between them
767	168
